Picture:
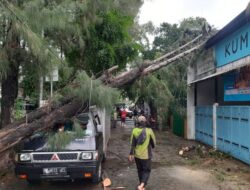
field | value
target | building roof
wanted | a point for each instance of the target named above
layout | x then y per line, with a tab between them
236	23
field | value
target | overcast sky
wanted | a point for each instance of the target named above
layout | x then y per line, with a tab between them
217	12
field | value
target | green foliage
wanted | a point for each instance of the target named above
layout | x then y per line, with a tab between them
19	110
78	131
128	7
30	81
192	24
171	81
94	91
91	35
23	45
110	43
176	76
153	89
58	141
142	34
41	50
167	35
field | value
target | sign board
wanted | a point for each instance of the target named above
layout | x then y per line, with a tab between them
54	75
233	47
237	85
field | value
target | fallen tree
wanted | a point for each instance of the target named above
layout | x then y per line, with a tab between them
148	68
44	118
12	138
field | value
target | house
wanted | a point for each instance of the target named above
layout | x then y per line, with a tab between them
218	97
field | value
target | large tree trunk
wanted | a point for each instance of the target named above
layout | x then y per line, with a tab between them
147	68
9	94
9	83
32	116
9	138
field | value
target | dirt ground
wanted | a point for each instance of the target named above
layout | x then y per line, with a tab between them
200	168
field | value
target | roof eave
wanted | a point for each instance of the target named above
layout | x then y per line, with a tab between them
236	23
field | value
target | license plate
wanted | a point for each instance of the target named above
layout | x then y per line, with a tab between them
54	171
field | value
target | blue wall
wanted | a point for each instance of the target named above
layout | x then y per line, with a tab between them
204	124
233	47
233	129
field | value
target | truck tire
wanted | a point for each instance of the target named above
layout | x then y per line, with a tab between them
98	175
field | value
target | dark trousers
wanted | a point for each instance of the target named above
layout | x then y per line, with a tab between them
143	169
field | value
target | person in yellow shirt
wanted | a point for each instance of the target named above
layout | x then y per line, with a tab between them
142	141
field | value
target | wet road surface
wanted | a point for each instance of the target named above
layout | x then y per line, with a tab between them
193	171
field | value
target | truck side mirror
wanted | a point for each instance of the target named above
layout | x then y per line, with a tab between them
99	128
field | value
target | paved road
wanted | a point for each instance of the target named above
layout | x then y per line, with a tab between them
22	185
196	170
128	123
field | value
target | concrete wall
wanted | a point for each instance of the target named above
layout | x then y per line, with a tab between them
205	92
205	95
105	118
190	112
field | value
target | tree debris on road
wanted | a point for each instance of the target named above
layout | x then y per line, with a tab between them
186	149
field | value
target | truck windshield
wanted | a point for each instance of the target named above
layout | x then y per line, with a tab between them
88	128
85	128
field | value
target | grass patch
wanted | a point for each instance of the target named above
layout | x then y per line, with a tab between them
218	155
193	162
220	175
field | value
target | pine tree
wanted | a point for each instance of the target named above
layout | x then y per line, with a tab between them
24	42
33	32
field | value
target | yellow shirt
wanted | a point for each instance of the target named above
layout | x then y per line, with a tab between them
142	151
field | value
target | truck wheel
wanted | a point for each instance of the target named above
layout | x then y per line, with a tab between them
98	175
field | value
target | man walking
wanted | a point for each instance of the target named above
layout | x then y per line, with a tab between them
142	141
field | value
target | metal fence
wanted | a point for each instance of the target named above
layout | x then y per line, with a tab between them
232	129
204	124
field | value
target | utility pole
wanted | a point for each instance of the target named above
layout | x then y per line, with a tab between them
40	91
51	86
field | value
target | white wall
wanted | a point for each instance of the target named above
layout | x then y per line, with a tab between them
106	125
190	113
